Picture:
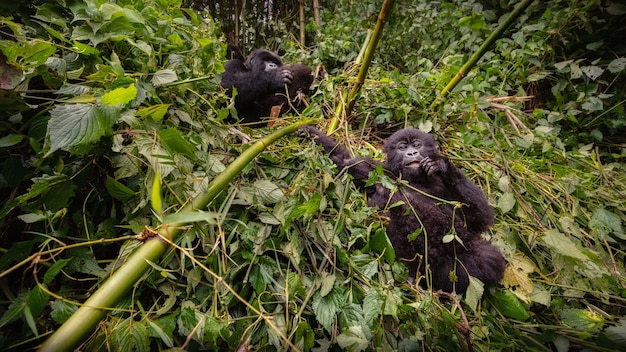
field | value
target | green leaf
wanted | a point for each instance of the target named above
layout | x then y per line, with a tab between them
156	112
593	72
55	191
474	292
162	77
327	283
311	206
130	336
605	222
118	190
175	143
14	311
61	311
10	76
506	202
156	199
617	65
120	96
190	217
562	244
380	244
74	124
10	140
582	319
56	268
509	305
353	339
326	307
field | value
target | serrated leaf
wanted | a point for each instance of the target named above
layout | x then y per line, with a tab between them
582	319
617	65
162	77
311	206
118	190
593	72
61	311
74	124
606	222
55	191
73	89
37	300
593	104
130	336
120	96
326	308
267	192
562	244
327	283
15	310
173	140
372	305
474	292
353	339
156	329
56	268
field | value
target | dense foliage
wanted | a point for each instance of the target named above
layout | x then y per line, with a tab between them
107	107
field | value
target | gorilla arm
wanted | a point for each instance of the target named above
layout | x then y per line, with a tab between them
358	167
478	214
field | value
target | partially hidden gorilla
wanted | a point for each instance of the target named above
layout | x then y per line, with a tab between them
263	83
423	205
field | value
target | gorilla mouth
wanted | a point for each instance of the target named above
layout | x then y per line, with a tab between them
413	164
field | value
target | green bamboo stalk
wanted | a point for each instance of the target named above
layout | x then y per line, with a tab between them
385	11
497	33
82	323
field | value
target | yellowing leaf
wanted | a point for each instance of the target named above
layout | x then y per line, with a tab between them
516	276
120	96
155	199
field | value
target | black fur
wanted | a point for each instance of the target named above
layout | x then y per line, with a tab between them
262	82
413	156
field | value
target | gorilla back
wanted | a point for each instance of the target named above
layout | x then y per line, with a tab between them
436	200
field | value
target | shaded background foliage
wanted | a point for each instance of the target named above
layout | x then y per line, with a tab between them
290	236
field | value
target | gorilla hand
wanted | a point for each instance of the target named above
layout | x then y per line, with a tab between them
434	165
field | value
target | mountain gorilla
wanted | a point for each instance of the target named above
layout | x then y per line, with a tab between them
419	207
262	82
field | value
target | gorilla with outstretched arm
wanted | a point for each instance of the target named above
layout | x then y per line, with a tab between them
434	200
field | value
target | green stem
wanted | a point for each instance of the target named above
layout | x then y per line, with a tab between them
481	51
82	323
372	42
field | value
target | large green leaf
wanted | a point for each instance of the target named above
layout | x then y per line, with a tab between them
74	124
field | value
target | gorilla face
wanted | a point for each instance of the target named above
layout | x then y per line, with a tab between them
412	153
267	64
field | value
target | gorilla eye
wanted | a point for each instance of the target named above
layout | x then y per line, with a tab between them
402	145
270	66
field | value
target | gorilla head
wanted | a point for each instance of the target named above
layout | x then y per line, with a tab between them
413	154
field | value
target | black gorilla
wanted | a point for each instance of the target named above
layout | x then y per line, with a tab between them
262	82
419	209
